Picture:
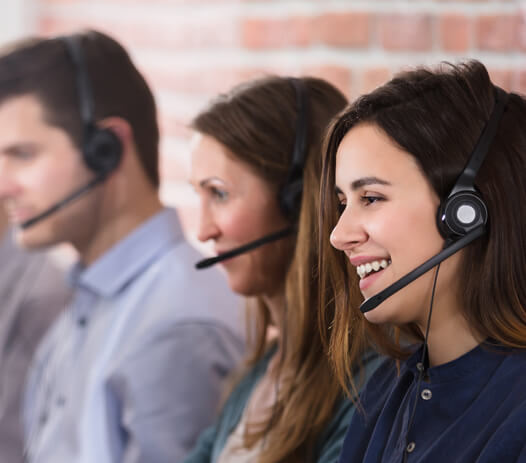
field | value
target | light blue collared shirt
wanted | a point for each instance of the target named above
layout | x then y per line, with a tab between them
134	369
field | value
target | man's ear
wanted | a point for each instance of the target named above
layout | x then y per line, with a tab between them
122	129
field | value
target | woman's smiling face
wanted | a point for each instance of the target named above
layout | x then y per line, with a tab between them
388	224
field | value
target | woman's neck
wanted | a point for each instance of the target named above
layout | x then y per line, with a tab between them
449	338
275	303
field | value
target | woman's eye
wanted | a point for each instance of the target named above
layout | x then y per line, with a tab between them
218	194
341	207
370	199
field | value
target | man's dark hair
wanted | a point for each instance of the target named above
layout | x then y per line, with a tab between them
44	68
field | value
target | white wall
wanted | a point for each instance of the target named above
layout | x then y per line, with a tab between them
17	19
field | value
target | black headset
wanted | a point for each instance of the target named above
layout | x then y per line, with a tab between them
101	148
464	209
290	193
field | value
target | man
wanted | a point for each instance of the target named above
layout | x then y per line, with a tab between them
133	371
32	293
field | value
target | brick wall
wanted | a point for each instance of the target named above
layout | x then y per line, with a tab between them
191	49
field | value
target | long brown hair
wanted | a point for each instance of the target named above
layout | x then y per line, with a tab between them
436	115
257	123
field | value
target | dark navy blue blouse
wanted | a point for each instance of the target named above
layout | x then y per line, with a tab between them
472	409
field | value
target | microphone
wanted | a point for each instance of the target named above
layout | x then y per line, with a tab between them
64	202
374	301
205	263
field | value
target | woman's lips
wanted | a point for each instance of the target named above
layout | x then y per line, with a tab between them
370	279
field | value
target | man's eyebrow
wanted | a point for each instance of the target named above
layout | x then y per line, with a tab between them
15	148
364	181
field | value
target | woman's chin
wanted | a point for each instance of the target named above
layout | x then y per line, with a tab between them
386	312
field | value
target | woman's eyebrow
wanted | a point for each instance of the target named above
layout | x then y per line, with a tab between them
364	181
208	180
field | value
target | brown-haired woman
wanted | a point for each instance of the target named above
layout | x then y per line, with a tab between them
427	172
256	165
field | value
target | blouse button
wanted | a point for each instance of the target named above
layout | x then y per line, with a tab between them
426	394
410	447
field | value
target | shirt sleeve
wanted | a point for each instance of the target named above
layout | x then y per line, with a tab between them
169	391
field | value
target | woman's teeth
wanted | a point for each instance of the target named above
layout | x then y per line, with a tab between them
365	269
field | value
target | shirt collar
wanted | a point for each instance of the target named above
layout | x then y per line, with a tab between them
125	260
483	358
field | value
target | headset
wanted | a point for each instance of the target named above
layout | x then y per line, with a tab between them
289	196
463	216
101	148
290	193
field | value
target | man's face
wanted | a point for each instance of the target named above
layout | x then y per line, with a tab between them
40	166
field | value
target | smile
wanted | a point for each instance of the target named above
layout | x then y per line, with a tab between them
366	269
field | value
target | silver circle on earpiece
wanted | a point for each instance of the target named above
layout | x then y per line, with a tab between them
466	214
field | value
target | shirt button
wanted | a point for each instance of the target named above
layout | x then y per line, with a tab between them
61	401
410	447
82	322
420	366
426	394
42	419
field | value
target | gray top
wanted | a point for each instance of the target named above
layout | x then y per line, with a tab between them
32	292
134	369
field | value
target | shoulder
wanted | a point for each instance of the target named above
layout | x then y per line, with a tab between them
196	293
379	374
170	291
509	377
507	442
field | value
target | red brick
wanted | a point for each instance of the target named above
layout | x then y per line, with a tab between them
466	1
374	77
49	25
196	80
455	32
180	195
496	32
339	76
133	2
259	33
412	32
519	84
177	33
173	168
521	30
175	125
501	77
342	29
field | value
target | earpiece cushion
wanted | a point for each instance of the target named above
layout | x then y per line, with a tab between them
102	151
460	214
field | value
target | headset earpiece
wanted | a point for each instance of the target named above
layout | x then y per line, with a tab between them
290	193
101	147
102	151
290	199
464	209
461	213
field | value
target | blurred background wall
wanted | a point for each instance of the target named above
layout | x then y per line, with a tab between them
191	49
